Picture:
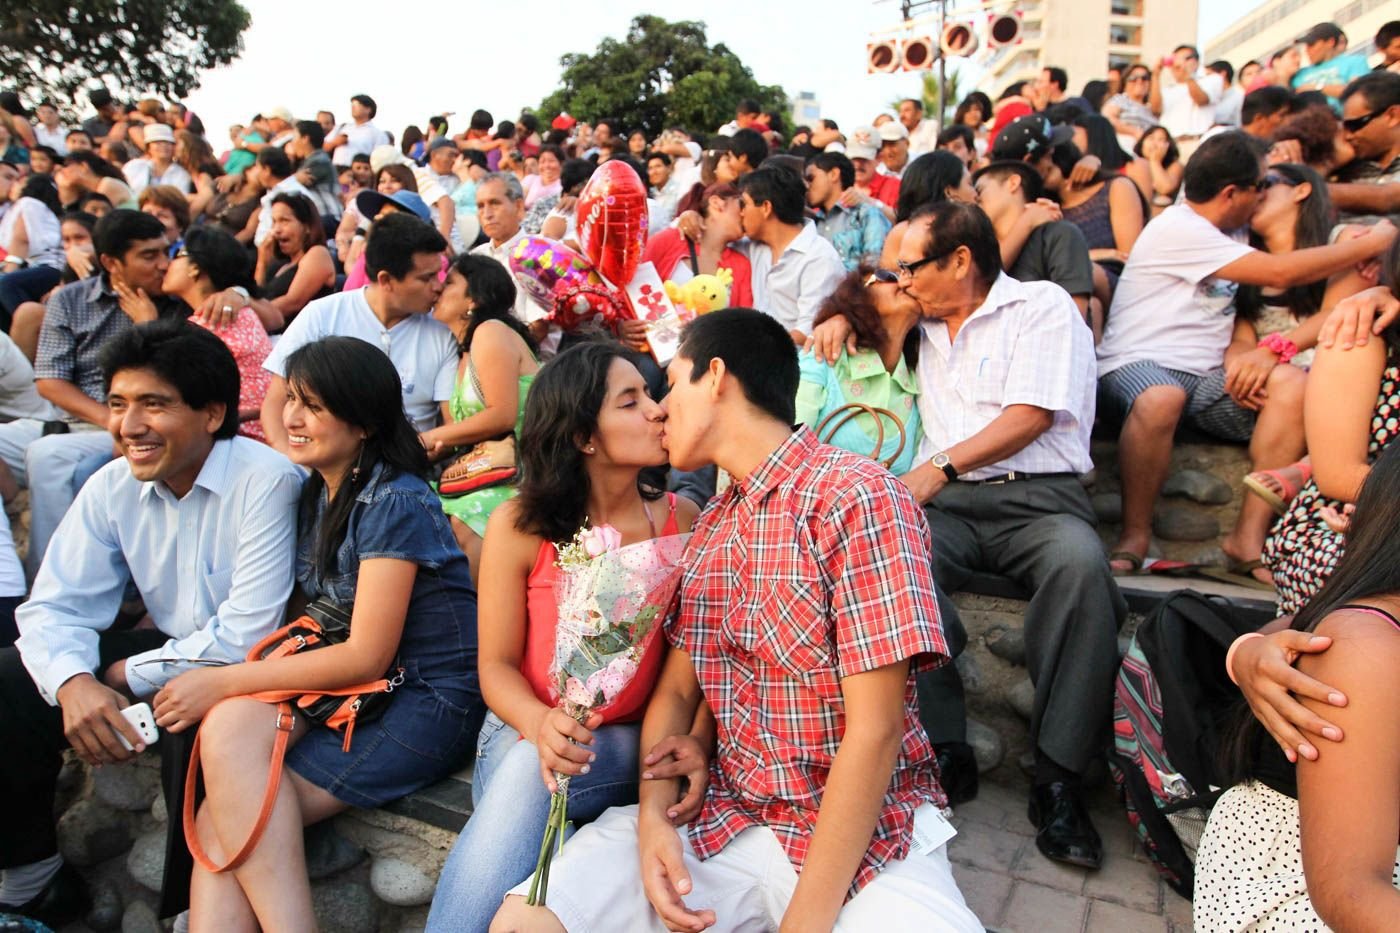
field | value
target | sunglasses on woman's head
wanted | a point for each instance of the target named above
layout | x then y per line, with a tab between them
883	276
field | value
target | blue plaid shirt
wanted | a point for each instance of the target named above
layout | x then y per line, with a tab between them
858	233
79	319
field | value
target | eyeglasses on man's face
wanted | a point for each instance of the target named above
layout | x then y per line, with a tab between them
1357	124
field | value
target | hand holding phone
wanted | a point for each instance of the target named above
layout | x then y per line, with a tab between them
143	721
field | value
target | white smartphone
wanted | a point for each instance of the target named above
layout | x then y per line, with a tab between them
143	721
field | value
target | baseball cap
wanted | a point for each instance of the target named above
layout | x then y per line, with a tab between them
563	122
157	133
279	113
387	154
1028	135
893	132
863	143
370	203
1322	32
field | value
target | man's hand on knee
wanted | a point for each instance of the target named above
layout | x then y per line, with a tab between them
92	719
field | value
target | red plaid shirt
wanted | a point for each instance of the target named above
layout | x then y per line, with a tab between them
814	568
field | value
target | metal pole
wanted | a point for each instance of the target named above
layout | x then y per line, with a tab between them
942	62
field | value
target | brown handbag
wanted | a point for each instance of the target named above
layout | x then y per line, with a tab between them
833	422
338	710
488	463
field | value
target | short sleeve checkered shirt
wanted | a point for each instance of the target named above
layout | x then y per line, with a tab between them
816	567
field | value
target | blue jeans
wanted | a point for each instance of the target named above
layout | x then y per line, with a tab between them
500	843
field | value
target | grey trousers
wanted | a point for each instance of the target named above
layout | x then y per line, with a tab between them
1040	533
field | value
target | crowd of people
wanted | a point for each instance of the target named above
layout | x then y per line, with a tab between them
245	386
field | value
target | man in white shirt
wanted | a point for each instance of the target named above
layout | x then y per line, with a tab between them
923	134
358	136
1006	397
1184	98
202	522
158	167
500	206
1227	110
1169	351
403	259
794	267
894	148
48	131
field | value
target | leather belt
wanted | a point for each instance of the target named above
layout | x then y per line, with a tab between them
1014	477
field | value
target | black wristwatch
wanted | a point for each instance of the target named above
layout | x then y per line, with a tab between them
941	461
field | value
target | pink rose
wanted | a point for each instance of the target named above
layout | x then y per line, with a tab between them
600	539
578	693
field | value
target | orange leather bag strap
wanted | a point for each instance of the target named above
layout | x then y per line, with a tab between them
284	724
837	419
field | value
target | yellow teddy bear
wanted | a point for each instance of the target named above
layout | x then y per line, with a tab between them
702	294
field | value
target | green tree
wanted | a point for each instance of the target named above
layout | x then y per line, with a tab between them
660	74
51	48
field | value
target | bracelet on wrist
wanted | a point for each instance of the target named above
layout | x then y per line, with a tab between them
1230	655
1281	346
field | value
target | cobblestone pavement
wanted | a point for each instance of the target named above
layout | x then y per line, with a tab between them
1013	888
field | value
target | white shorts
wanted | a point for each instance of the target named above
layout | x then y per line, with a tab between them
594	884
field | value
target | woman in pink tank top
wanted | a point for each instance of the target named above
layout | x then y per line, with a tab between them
590	429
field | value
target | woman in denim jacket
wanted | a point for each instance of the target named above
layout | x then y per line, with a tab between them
372	537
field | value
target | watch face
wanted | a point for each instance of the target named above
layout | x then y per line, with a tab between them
940	460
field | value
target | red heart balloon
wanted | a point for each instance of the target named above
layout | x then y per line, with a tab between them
612	221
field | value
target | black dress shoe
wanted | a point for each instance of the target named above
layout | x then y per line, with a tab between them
957	771
62	901
1064	831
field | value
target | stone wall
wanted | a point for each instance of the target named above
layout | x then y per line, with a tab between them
1199	504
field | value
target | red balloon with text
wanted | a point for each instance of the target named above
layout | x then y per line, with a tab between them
612	221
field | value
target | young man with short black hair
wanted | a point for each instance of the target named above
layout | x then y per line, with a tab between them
740	154
202	522
794	269
805	607
1169	348
360	135
315	172
1263	111
403	258
1054	251
858	232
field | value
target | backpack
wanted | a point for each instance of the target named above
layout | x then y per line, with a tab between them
1172	700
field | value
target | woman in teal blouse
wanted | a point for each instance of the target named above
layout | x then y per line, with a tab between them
879	374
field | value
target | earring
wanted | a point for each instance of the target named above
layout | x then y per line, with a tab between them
589	450
355	472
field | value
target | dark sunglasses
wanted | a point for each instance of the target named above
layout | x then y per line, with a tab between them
884	276
1271	180
1357	124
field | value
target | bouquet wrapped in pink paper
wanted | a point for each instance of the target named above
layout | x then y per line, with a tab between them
612	600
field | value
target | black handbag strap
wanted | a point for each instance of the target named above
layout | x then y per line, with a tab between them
694	258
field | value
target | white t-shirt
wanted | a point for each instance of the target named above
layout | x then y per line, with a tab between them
57	140
1227	112
359	138
1169	306
42	229
421	348
1181	115
141	174
923	138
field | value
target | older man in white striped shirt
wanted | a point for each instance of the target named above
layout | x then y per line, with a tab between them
1006	396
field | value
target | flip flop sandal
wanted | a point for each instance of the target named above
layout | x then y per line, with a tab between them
1259	483
1238	574
1134	559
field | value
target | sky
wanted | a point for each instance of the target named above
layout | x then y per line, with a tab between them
451	56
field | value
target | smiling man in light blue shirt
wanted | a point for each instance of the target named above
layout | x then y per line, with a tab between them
201	521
